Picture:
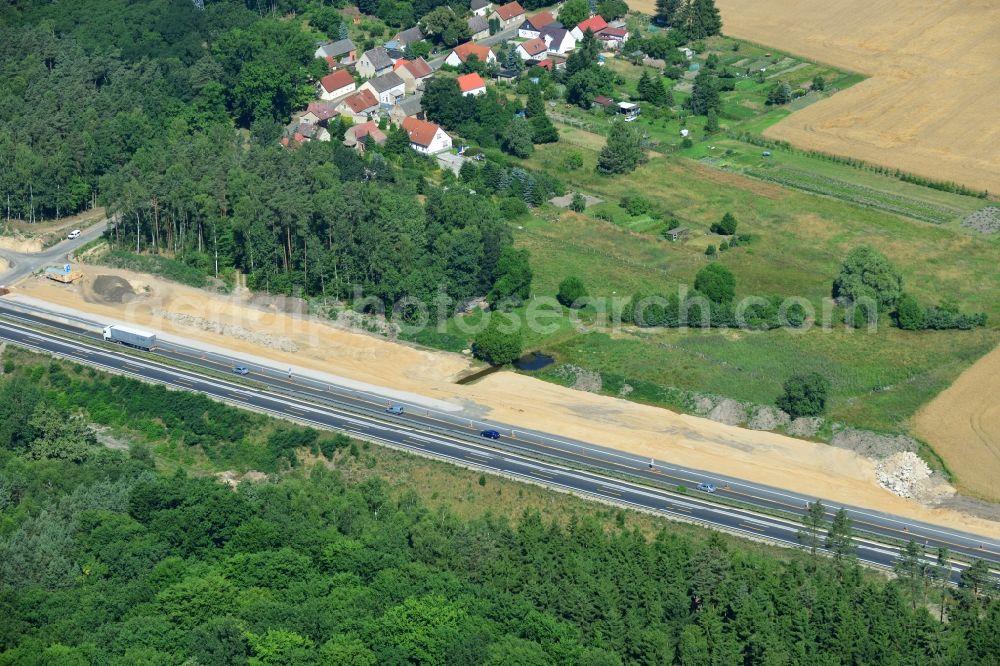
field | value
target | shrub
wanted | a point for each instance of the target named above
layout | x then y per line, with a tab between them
571	292
573	161
578	204
710	251
716	282
804	395
867	276
636	205
910	315
726	226
495	346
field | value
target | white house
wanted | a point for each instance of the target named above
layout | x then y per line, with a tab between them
426	137
359	107
374	62
534	24
462	53
471	85
595	24
387	88
336	84
414	73
533	49
558	40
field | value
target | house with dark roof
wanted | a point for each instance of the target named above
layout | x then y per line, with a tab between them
426	137
404	38
532	25
462	53
336	84
509	15
613	38
557	40
342	50
471	85
408	107
480	7
374	62
359	107
479	27
595	24
387	88
414	73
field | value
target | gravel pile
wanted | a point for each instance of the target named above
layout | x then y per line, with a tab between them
113	289
583	380
902	473
873	445
985	220
767	418
805	426
236	332
729	412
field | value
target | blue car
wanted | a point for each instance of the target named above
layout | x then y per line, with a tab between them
241	370
706	487
490	434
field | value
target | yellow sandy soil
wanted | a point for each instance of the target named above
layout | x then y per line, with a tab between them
806	467
931	105
20	244
963	426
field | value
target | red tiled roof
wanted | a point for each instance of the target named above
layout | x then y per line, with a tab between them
321	110
544	64
331	62
534	46
470	82
370	127
463	51
361	101
603	101
336	80
595	23
418	68
420	132
619	33
540	20
509	11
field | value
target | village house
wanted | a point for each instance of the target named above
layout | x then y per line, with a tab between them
595	24
359	107
374	62
336	84
405	38
414	73
319	113
408	107
479	27
531	49
509	15
342	51
462	53
471	85
426	138
480	7
356	135
557	40
534	24
613	38
387	88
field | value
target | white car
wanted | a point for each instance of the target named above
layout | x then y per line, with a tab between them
73	235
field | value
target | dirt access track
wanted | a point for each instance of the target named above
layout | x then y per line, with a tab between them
930	105
963	425
321	348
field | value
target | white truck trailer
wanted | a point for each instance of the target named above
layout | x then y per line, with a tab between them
132	337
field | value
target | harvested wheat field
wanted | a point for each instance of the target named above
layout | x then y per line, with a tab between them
931	103
237	324
963	426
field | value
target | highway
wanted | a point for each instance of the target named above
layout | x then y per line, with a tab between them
559	463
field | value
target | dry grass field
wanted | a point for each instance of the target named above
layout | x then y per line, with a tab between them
963	426
931	105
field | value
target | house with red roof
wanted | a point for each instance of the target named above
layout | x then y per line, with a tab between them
319	113
595	24
464	51
471	85
414	73
336	84
426	138
613	38
359	107
532	49
509	15
356	135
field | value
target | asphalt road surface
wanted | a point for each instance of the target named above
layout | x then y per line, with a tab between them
21	265
545	459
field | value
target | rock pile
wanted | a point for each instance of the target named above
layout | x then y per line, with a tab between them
985	220
904	474
228	330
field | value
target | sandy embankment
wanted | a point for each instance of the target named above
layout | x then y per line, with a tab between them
834	474
930	105
963	425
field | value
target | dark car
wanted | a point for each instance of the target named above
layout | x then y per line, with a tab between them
490	434
706	487
241	370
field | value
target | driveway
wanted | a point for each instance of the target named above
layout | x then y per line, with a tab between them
22	264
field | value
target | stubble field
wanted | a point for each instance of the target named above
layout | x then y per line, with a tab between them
930	104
